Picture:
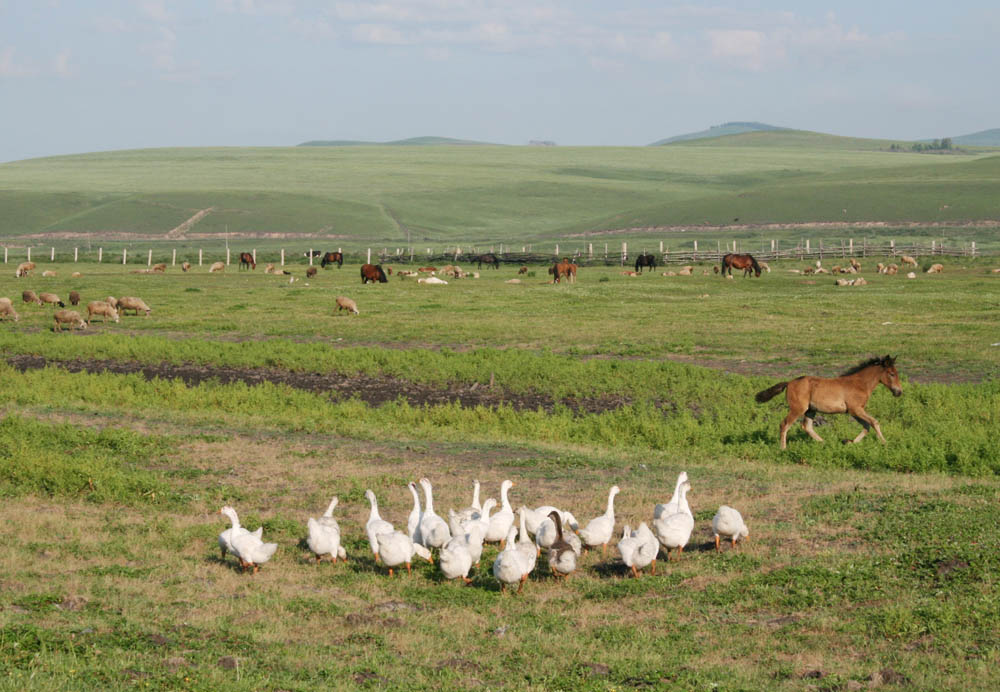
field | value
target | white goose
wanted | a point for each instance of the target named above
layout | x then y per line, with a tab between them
729	522
474	510
598	531
503	520
511	566
536	517
672	507
251	550
547	534
638	548
375	524
434	532
562	555
674	530
396	548
524	542
324	535
413	520
456	556
226	537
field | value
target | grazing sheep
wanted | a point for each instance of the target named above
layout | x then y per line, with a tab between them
427	270
217	267
345	303
160	268
76	275
715	269
512	281
49	273
911	275
7	309
30	297
856	264
906	259
310	272
24	268
185	266
669	274
431	280
821	270
70	317
935	269
132	303
112	301
891	269
809	270
99	307
74	298
51	299
405	274
995	271
688	270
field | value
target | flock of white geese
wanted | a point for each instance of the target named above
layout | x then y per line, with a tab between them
459	539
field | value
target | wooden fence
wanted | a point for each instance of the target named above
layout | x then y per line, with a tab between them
586	255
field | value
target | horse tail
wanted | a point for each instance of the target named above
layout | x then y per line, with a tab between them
770	392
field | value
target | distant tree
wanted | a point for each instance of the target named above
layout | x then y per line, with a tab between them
946	143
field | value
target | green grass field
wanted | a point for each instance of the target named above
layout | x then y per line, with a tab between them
439	195
867	565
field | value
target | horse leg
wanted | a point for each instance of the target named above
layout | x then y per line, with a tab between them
807	424
866	420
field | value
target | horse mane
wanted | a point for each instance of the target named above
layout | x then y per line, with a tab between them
877	360
753	261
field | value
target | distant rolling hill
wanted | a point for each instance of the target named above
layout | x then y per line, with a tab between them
733	128
412	141
986	138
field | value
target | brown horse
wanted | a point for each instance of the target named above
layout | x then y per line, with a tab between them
247	261
744	262
332	258
563	268
373	273
845	394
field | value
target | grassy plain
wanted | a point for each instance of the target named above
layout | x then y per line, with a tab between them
867	564
372	196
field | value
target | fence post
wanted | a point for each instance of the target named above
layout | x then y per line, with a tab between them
932	247
311	256
227	255
590	250
29	253
661	247
100	254
124	255
199	256
892	248
52	255
695	255
282	257
973	248
173	258
557	249
5	254
76	253
149	258
254	255
624	253
852	247
369	257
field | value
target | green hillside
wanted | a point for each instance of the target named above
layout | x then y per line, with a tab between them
441	195
985	138
412	141
733	128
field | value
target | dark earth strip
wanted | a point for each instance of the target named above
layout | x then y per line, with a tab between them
373	390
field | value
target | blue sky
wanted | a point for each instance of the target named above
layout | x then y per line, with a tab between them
81	76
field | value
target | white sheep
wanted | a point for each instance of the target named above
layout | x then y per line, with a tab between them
7	309
345	303
70	317
217	267
132	303
99	307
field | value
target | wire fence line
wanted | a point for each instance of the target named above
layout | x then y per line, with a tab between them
586	256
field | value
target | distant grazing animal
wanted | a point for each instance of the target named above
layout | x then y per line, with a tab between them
160	268
332	258
24	268
856	264
647	260
51	299
563	268
48	273
112	301
891	269
315	253
133	303
490	259
906	259
247	261
522	270
630	273
432	280
745	262
845	394
935	269
715	269
7	309
217	267
185	266
373	273
76	275
30	297
102	308
345	303
310	272
765	267
427	270
74	298
685	271
70	317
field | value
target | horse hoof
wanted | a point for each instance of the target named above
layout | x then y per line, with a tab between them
846	442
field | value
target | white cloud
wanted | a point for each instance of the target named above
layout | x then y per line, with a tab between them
155	10
741	46
10	67
378	33
111	25
61	65
258	7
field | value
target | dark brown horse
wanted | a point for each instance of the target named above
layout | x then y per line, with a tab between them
373	273
845	394
744	262
331	258
247	261
563	268
647	260
490	259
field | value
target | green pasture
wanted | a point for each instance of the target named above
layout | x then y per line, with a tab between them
868	565
413	196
